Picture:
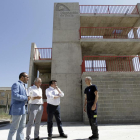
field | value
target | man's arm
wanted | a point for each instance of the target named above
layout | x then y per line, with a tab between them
85	103
16	95
96	99
49	95
37	97
61	94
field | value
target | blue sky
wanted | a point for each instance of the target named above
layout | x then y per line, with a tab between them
25	21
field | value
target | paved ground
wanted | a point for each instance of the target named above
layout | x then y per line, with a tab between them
80	131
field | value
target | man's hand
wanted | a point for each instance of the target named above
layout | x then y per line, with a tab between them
93	107
37	97
58	89
29	98
85	109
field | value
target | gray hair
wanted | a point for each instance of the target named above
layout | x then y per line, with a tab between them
88	77
37	79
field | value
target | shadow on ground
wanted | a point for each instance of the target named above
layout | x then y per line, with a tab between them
46	138
56	136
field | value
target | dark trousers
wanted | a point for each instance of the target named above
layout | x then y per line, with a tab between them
54	110
92	116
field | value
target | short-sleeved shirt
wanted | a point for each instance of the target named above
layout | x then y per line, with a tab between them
89	91
33	91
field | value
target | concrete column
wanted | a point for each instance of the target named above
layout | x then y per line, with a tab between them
135	33
32	67
138	6
67	58
137	24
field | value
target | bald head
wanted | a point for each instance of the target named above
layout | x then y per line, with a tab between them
88	80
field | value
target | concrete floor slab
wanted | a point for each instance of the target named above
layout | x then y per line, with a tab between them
110	46
80	131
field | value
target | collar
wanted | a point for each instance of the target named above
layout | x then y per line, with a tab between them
36	86
51	87
21	82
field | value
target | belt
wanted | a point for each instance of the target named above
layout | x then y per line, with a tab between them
36	104
90	101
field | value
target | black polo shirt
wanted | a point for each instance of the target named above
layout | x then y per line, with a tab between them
89	91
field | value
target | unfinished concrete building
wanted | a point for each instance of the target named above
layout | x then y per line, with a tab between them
101	41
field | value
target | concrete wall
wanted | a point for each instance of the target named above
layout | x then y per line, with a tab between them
119	97
67	58
46	77
5	99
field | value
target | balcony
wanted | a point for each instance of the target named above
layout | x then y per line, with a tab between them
109	9
42	59
109	16
42	53
111	64
110	40
109	33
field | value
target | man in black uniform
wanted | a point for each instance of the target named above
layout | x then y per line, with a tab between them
91	98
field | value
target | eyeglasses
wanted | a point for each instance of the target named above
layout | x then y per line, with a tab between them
25	76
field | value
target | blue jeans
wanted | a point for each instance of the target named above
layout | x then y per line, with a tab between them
18	124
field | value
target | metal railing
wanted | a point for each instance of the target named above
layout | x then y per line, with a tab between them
109	9
110	63
42	53
110	32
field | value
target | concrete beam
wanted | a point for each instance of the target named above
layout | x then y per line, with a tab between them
108	20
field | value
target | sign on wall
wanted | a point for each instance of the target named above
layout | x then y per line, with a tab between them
65	12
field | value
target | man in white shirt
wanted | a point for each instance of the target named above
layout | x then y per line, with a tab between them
35	109
53	94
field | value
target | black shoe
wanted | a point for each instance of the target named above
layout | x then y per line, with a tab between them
37	138
63	135
94	137
49	136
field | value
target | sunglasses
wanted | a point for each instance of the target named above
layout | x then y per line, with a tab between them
25	76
